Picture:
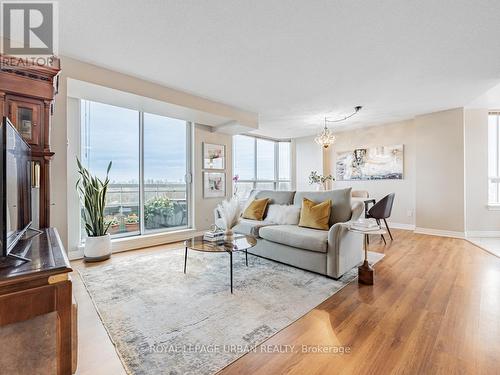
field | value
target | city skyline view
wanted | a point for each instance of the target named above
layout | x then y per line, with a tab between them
111	133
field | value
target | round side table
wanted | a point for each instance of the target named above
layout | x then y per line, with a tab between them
365	271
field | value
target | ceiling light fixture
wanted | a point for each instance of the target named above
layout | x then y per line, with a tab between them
326	137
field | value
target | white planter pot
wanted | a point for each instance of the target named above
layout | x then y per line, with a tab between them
97	248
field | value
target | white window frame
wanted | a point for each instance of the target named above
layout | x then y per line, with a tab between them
495	179
142	230
276	179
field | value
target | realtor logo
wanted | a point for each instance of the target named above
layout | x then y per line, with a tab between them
28	28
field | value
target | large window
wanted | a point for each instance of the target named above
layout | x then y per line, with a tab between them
261	164
148	190
494	158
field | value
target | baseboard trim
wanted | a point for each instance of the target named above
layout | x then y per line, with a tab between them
401	226
483	233
439	232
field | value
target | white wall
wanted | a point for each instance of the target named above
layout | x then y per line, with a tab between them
203	208
390	134
72	152
440	200
479	219
308	157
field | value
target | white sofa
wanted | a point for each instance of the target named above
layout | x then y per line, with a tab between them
330	252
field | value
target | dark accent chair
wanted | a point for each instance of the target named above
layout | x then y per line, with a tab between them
380	211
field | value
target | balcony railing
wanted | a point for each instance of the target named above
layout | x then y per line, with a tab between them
165	206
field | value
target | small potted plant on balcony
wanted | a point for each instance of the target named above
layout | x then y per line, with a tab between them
158	212
92	192
113	223
132	223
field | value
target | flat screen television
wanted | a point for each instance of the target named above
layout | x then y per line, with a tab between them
15	186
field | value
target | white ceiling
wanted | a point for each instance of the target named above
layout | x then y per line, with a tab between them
490	99
295	61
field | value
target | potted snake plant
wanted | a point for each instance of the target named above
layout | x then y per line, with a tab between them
92	192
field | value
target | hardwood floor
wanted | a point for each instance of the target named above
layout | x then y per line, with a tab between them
434	308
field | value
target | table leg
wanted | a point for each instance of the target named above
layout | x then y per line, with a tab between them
365	246
246	257
365	271
231	269
185	258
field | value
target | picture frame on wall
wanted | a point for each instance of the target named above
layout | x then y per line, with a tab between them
214	184
214	156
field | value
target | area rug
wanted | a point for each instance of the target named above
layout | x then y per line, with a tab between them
163	321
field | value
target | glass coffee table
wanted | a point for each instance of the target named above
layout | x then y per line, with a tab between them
239	243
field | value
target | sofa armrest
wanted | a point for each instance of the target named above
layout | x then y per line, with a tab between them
345	249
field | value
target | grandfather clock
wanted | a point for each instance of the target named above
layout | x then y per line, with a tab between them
27	93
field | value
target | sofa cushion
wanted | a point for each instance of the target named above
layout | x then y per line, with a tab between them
255	210
250	227
315	215
283	214
341	208
299	237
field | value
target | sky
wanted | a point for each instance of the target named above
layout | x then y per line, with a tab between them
112	134
244	151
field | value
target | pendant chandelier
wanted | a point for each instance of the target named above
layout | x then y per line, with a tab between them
326	137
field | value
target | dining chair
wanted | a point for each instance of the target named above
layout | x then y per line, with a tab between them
360	194
381	210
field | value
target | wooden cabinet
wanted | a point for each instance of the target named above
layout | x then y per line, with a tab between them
26	115
27	95
36	304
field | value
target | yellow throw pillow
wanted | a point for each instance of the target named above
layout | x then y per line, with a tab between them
315	215
256	209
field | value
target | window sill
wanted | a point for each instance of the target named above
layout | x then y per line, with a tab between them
139	242
493	206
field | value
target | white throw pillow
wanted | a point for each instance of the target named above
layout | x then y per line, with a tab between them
283	214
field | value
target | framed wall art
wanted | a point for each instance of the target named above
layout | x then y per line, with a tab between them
214	156
214	184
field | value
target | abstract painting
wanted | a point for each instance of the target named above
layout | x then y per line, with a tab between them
371	163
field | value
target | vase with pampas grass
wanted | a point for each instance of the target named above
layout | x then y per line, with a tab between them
229	211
